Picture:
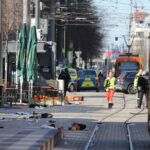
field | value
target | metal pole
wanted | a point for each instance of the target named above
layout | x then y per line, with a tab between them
25	11
148	50
54	59
1	59
52	29
64	50
52	36
37	14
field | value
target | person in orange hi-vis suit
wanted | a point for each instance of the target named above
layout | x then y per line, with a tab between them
109	85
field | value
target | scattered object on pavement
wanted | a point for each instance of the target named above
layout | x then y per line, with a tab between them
46	126
43	115
36	106
46	115
74	98
77	126
52	125
51	121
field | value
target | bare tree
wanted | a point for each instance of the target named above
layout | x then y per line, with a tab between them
11	21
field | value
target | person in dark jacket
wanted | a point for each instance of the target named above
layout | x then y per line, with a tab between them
64	75
142	86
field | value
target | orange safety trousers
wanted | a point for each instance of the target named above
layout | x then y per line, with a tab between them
110	95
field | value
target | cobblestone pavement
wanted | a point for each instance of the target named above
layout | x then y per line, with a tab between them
110	135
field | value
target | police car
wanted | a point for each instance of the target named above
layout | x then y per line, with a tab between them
73	81
87	79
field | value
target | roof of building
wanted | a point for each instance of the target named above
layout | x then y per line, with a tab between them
140	15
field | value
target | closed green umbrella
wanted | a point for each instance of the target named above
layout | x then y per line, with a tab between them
31	66
22	52
21	57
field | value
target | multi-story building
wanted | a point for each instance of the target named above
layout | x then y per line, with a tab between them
140	29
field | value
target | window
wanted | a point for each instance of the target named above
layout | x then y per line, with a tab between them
140	34
128	66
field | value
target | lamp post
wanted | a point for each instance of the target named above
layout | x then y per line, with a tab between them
148	52
1	68
37	16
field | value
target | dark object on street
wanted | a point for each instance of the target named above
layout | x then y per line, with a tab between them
43	115
33	105
77	126
46	115
52	125
51	121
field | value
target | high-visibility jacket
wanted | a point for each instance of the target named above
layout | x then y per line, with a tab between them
136	80
110	83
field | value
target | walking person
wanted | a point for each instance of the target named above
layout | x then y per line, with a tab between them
64	75
142	86
137	76
109	85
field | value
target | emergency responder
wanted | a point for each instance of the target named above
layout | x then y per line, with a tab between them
139	74
64	75
142	87
109	85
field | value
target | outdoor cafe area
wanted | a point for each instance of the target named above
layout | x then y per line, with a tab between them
47	95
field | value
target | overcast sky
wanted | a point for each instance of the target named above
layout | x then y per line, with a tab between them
117	16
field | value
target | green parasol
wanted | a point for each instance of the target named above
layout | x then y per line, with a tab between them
22	52
31	65
21	57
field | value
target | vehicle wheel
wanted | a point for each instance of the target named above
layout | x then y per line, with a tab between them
72	88
130	89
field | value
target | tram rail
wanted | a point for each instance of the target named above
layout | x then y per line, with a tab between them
126	123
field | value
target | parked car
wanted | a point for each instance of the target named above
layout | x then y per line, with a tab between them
88	79
73	81
125	82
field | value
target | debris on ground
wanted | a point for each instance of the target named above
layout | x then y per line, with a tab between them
74	99
77	126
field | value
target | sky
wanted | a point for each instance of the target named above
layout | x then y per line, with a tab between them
116	17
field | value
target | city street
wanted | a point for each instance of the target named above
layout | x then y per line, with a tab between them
106	129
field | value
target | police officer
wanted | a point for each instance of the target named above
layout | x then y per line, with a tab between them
142	86
109	85
64	75
137	89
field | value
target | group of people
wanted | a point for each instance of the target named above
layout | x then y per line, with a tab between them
140	85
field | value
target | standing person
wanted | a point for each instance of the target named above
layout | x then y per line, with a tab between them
109	85
137	76
142	86
64	75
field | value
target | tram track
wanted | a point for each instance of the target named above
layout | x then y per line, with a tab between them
126	123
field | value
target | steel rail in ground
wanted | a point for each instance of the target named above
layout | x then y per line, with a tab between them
91	139
127	126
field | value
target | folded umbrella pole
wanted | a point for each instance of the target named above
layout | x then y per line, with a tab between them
21	58
31	66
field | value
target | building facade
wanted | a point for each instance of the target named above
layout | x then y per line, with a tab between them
140	29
